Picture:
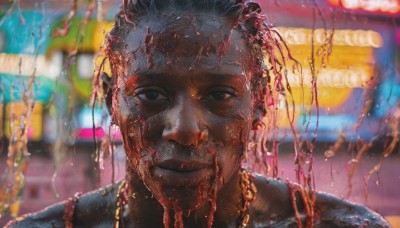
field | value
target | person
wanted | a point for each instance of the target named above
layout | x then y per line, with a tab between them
187	90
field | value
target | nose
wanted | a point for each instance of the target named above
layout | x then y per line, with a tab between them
183	124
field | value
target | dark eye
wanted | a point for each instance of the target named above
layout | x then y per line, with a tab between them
220	95
151	95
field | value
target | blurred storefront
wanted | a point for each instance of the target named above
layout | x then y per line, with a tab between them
352	48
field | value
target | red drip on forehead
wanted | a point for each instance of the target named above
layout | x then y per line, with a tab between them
184	40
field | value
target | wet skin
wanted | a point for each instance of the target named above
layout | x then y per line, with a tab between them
272	208
184	107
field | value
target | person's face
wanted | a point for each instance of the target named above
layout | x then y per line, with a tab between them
184	105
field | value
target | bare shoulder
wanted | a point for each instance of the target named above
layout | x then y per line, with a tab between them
274	207
93	209
330	210
49	217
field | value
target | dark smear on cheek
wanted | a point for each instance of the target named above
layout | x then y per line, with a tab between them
142	148
133	139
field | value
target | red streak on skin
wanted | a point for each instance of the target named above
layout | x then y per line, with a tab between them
213	193
166	216
148	41
178	219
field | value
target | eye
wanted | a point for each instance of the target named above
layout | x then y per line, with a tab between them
220	95
151	95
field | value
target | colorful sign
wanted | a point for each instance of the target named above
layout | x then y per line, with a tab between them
18	116
342	77
382	6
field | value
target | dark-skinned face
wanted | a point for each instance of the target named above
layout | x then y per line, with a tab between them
184	105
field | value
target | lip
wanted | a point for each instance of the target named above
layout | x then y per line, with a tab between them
182	165
174	172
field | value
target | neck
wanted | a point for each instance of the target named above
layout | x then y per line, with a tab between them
146	211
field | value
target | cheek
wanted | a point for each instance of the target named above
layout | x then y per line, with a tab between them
238	125
139	137
131	139
131	130
234	138
231	133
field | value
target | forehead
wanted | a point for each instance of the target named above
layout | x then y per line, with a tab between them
186	41
181	27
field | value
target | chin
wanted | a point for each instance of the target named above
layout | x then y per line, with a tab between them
184	198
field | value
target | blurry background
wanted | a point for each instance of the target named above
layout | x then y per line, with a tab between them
50	50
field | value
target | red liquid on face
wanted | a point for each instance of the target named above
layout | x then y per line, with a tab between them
213	193
166	218
265	154
148	41
178	219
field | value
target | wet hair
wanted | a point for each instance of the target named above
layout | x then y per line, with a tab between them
246	14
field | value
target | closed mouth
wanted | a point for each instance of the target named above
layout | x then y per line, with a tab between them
182	165
174	172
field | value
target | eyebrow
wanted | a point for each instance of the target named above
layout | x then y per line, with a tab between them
138	77
154	75
220	76
200	76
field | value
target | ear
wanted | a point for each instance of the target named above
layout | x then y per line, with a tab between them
108	84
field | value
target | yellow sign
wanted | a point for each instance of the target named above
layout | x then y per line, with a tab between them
16	121
345	37
98	42
350	65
